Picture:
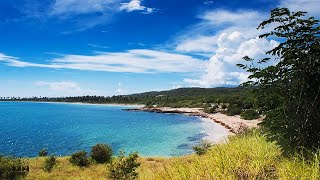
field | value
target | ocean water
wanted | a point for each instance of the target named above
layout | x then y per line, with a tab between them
62	128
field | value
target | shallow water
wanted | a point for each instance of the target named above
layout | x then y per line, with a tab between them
27	127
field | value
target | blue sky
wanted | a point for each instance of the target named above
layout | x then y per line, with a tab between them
111	47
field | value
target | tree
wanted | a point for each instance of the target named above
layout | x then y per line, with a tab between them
291	87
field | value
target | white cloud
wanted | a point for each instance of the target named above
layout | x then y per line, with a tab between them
60	86
135	5
222	69
76	7
310	6
201	44
66	88
132	61
202	37
234	36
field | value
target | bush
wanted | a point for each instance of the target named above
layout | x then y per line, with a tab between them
234	110
249	114
202	148
49	163
79	159
13	168
224	106
101	153
43	152
124	167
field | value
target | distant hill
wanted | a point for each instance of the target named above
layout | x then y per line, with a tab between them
192	92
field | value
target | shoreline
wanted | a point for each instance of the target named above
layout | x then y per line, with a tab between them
232	123
86	103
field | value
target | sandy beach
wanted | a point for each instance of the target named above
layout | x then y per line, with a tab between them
232	123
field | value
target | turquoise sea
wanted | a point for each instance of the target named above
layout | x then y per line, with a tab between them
64	128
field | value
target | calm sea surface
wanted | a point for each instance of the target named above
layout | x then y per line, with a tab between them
27	127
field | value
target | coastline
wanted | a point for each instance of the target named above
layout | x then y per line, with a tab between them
232	123
86	103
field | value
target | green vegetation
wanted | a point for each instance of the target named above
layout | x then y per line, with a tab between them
249	114
290	89
202	148
49	163
43	152
234	110
246	156
79	159
287	93
101	153
13	168
182	97
124	167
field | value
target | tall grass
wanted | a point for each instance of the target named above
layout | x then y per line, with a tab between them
248	156
243	157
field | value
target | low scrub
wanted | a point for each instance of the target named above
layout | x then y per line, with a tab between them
79	159
249	114
43	152
13	168
101	153
49	164
234	110
202	148
124	168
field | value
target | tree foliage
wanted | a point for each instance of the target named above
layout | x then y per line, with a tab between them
290	88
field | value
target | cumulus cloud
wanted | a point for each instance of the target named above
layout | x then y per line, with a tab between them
232	48
201	39
135	5
132	61
310	6
235	36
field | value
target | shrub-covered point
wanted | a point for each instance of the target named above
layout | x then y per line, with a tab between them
79	159
124	168
43	152
233	110
101	153
49	163
249	114
13	168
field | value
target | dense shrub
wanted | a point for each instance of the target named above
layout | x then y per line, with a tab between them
49	163
202	148
224	106
249	114
79	159
13	168
43	152
234	110
101	153
124	167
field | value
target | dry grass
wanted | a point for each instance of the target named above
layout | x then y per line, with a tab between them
243	157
